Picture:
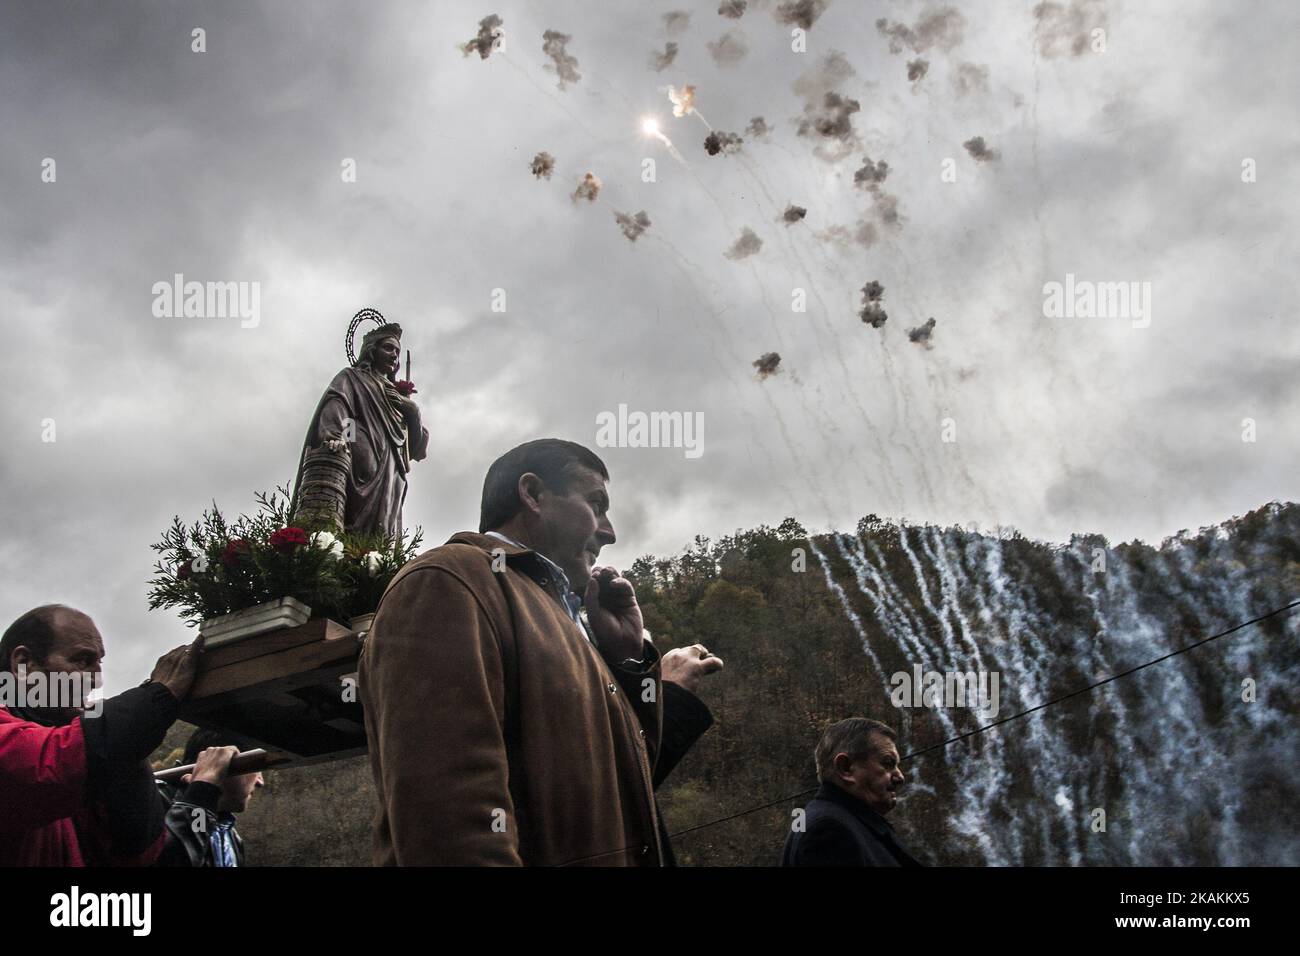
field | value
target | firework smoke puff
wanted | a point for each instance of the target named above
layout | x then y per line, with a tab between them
683	100
871	174
543	165
832	120
632	226
676	22
745	246
872	312
767	364
1062	28
800	13
970	78
921	334
485	41
732	9
917	68
793	214
565	66
661	61
720	142
757	128
980	152
728	49
588	189
938	28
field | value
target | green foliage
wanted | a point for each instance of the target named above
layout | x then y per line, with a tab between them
215	566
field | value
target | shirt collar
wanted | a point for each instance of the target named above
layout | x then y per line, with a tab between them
559	580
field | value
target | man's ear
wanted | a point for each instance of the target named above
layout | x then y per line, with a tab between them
529	489
843	765
21	660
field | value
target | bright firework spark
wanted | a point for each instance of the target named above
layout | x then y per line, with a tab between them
650	126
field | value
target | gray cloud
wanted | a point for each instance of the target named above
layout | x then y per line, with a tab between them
732	9
757	128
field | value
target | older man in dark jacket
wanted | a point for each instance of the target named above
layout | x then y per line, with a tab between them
844	824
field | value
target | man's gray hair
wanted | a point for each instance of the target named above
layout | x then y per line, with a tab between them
853	735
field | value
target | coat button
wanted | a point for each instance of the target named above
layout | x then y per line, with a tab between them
613	688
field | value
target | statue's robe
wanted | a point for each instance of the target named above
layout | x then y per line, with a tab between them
382	451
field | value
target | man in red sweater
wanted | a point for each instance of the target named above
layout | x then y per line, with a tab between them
75	784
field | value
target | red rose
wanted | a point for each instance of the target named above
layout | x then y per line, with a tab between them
406	388
286	539
230	556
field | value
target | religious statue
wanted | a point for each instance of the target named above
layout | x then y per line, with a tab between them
363	436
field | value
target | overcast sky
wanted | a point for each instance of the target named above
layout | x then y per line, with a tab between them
1124	165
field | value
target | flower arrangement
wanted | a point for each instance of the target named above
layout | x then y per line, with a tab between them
216	567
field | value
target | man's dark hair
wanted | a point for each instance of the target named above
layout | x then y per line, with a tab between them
206	737
853	736
550	459
34	630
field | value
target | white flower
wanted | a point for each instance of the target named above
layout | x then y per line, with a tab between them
371	560
327	542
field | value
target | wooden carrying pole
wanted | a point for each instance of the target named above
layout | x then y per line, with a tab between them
250	761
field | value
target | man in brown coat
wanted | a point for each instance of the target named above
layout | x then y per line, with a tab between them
502	728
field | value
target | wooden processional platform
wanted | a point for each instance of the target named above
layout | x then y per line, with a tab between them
285	691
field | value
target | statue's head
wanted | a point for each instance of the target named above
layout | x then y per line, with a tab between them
381	349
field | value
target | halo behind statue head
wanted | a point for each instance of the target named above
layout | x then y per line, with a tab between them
382	327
